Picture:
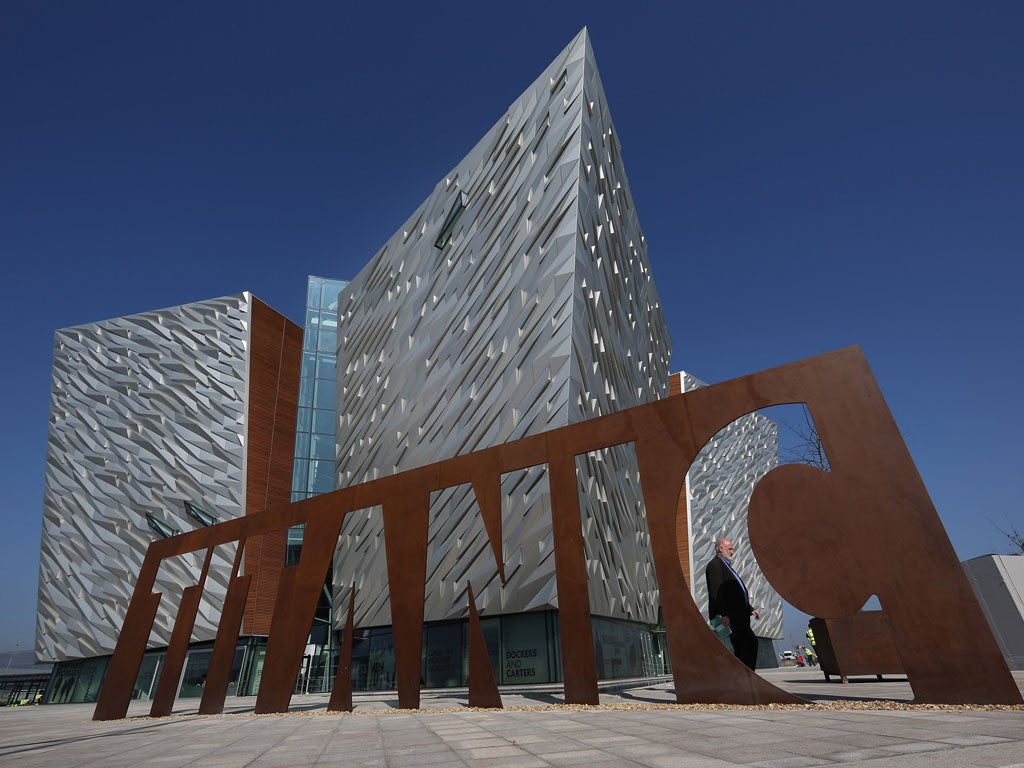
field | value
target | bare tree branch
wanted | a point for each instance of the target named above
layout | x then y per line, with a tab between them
1013	534
804	445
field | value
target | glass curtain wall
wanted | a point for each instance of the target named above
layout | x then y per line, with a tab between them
313	470
23	689
76	681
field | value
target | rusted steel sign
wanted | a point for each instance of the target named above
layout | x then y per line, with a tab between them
826	541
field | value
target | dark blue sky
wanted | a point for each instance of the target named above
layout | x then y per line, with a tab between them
808	175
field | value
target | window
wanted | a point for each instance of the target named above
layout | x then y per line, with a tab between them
161	527
449	224
197	513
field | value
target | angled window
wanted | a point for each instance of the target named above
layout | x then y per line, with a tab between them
453	216
161	527
200	514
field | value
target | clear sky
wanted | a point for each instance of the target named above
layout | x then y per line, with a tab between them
808	175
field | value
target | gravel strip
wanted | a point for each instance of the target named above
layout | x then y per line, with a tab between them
813	707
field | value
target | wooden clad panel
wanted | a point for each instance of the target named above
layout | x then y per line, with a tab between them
275	360
675	387
675	384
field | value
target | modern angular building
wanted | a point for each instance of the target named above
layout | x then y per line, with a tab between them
160	422
516	299
998	582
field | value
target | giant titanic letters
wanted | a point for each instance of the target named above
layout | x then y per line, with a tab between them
874	531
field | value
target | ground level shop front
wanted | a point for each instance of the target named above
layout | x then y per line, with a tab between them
524	649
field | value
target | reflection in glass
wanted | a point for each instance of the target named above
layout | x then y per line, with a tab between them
324	397
294	546
194	678
461	201
198	513
309	364
328	341
322	447
305	390
161	526
149	672
313	288
302	444
321	476
323	422
330	298
442	655
327	368
300	474
525	641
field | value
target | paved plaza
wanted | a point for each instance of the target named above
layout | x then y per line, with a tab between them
845	728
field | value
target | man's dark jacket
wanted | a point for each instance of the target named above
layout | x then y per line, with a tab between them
725	595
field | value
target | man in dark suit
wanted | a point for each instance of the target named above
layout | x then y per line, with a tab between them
729	599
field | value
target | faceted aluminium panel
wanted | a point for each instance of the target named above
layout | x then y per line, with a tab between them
147	412
516	299
719	485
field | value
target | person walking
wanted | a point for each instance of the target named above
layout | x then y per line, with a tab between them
728	598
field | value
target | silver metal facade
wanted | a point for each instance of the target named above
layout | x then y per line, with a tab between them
539	311
719	485
146	412
998	582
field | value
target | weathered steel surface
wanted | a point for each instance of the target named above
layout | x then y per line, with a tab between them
218	674
825	540
174	660
702	670
181	636
579	669
483	688
297	597
119	683
405	538
858	644
341	693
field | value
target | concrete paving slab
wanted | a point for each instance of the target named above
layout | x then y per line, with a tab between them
446	733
